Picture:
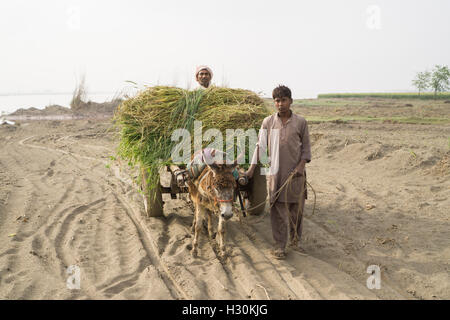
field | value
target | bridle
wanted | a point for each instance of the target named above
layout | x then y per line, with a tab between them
223	200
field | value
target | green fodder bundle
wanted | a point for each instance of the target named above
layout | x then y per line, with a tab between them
148	120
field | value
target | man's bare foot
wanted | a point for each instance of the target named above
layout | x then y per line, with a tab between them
293	243
295	246
279	254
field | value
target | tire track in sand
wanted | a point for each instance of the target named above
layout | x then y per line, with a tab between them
175	290
249	272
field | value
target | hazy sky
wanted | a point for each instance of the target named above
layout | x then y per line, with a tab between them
311	46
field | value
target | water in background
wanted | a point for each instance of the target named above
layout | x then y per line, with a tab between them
9	104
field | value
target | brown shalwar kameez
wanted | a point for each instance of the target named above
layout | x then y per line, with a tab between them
293	146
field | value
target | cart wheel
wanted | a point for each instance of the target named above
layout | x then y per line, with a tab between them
258	192
153	202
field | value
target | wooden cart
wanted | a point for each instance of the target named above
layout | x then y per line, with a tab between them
254	191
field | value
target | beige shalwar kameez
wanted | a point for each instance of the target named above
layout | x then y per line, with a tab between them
288	144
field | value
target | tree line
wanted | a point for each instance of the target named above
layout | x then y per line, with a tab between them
438	80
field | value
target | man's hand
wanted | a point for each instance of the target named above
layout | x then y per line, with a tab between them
300	169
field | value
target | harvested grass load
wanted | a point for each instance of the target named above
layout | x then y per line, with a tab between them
147	121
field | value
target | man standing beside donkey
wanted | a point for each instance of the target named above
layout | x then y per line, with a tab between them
286	136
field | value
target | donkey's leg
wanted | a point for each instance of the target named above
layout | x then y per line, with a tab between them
199	213
221	234
210	226
194	222
195	232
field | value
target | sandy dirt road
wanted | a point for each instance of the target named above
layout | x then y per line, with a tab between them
382	199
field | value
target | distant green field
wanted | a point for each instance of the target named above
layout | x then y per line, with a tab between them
426	95
409	120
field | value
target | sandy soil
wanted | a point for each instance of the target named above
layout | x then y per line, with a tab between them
382	192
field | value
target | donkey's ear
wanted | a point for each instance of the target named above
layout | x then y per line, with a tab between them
239	157
232	166
236	162
213	166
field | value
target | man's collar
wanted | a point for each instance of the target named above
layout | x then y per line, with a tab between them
278	114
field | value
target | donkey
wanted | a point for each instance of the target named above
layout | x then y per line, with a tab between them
212	192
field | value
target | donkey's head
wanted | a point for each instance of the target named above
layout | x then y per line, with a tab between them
223	187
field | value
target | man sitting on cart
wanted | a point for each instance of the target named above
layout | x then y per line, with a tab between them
203	75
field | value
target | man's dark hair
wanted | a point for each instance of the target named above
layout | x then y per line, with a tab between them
281	92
